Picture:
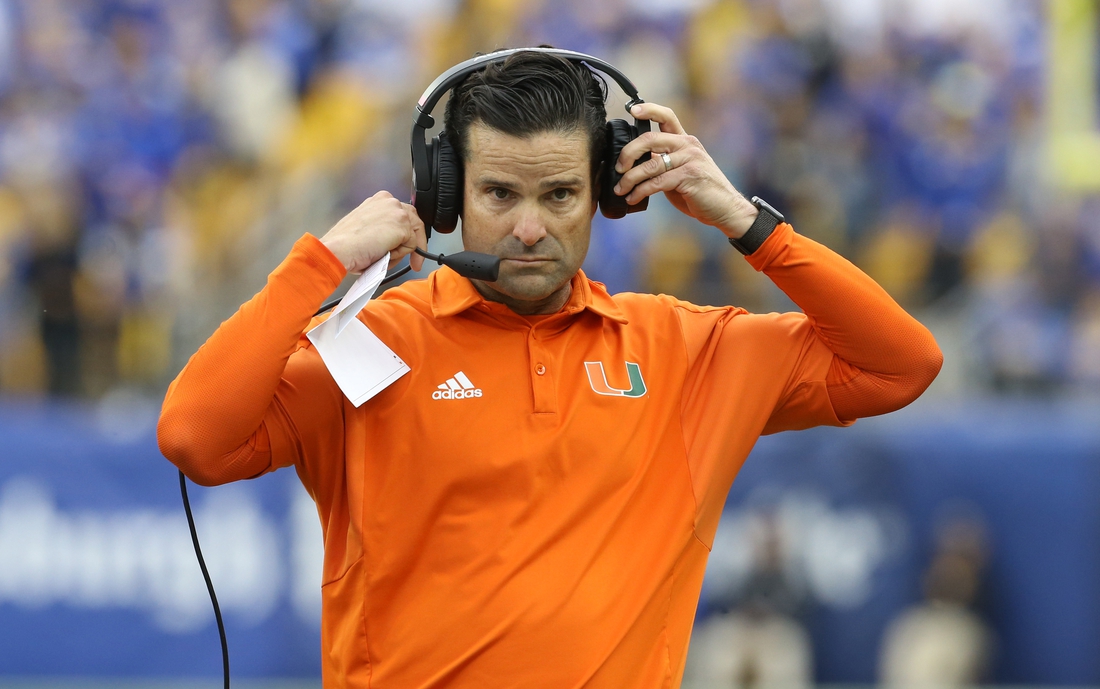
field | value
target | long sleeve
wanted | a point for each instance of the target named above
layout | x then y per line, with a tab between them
852	352
884	358
237	399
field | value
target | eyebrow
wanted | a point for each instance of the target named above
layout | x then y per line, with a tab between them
558	182
553	183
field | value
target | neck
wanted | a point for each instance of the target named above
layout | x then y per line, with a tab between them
547	305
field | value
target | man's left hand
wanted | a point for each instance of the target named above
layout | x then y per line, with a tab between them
693	182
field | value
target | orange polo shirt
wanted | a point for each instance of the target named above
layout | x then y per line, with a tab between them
533	504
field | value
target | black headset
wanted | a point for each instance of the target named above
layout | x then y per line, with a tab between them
437	170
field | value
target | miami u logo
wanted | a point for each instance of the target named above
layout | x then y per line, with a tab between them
598	380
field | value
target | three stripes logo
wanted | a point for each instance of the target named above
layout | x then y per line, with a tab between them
597	378
457	388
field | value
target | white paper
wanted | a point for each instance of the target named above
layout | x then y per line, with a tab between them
359	294
359	362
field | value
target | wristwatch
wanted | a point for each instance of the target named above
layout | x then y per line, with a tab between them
766	221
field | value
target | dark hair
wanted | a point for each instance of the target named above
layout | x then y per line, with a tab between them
531	93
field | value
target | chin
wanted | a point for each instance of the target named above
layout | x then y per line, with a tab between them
527	287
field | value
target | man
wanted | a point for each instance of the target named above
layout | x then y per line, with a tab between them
550	529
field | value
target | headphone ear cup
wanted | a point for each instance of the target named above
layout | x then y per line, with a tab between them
448	185
619	134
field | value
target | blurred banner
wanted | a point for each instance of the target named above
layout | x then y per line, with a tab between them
98	576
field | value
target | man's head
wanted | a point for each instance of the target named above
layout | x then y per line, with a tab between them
530	132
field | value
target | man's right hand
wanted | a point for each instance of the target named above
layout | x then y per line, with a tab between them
380	225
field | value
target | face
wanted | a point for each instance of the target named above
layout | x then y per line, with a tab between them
529	201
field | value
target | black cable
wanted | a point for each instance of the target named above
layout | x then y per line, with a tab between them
468	264
395	275
333	302
206	576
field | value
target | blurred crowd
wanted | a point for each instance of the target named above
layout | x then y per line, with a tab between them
758	636
158	158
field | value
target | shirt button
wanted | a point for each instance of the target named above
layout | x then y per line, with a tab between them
540	369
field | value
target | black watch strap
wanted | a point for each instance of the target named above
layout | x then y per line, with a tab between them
766	221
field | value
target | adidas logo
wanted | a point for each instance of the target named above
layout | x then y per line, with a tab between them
456	388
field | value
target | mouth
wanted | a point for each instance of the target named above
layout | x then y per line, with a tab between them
529	259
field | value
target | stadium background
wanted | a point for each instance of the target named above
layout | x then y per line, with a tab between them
158	158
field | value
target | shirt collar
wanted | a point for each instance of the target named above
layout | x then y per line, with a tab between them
452	294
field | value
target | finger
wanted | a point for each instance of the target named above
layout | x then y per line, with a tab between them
649	169
420	237
664	117
405	224
649	142
408	235
667	181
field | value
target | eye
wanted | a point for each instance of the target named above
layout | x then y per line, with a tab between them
499	193
561	194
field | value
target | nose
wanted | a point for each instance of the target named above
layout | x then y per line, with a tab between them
529	227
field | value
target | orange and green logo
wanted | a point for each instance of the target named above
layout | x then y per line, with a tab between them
598	380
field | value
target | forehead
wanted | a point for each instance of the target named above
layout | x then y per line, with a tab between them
491	152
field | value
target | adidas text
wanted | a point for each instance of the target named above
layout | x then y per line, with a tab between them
455	394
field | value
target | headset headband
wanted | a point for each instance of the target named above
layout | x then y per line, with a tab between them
446	81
